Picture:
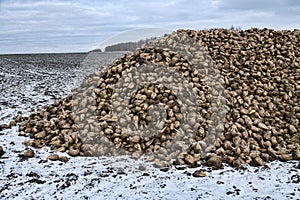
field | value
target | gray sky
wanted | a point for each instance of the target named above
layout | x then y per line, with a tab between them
72	26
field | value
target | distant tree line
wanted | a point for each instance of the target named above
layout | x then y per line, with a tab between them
128	46
235	28
95	50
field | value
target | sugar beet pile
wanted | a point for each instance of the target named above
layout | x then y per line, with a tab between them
260	70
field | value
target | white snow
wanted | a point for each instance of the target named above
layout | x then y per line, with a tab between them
101	178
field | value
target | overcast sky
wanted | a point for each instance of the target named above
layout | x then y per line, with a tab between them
73	26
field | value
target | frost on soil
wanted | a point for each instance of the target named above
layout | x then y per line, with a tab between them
31	81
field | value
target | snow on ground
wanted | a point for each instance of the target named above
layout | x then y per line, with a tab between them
23	82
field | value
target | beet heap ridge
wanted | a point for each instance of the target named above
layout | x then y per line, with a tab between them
261	79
